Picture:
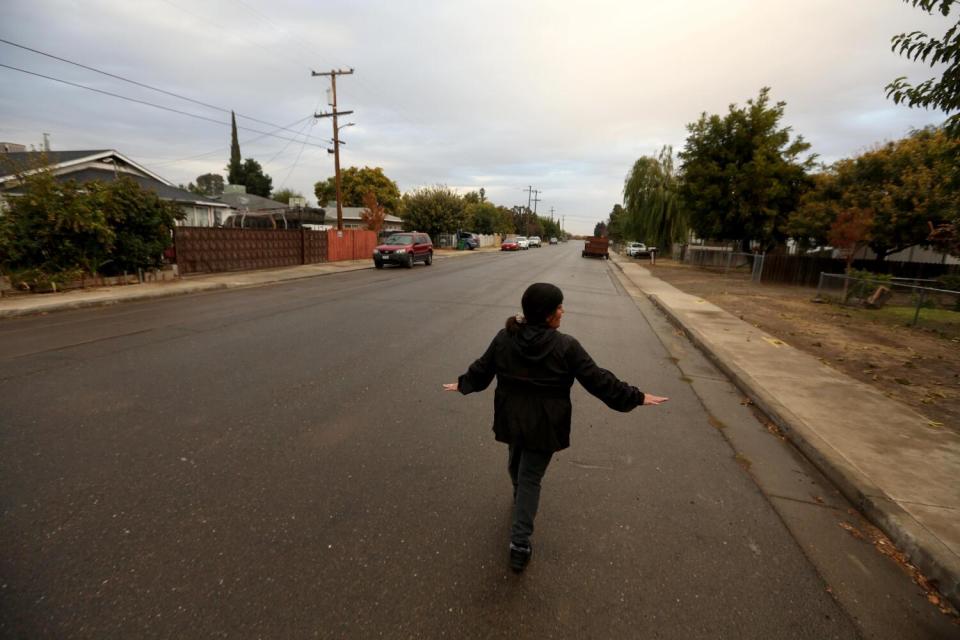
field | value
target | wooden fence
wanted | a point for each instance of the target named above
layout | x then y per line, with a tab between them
350	244
806	270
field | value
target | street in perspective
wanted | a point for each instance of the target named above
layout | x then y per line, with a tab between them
442	346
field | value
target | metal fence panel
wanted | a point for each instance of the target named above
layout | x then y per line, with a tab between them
901	298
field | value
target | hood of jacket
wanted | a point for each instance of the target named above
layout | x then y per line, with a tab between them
535	342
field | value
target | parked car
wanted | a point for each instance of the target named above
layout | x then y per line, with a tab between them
523	241
535	242
404	249
510	244
553	240
637	249
470	240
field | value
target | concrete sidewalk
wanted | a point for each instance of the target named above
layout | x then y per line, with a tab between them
26	305
900	469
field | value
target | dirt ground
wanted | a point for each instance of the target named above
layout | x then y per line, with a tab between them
919	366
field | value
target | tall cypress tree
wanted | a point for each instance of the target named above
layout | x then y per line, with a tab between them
235	168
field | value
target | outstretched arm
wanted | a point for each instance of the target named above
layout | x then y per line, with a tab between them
603	384
479	376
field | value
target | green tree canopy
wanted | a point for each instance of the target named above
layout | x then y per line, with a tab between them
235	166
57	228
906	186
485	217
943	94
355	183
651	196
433	210
742	173
209	184
256	181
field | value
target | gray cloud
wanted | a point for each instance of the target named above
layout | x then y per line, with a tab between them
560	95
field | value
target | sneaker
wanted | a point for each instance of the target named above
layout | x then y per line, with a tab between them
519	557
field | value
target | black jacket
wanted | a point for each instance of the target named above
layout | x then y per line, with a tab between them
535	368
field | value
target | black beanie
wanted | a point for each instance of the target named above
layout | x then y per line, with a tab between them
539	302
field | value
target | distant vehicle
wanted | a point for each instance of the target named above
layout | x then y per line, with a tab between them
523	241
404	249
470	241
510	244
553	240
594	247
535	241
637	249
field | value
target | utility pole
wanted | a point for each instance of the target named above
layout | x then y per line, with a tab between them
551	214
333	73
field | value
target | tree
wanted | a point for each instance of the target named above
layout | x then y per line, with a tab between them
433	210
209	184
487	218
141	222
52	228
742	173
651	196
373	213
235	172
943	94
355	183
58	230
615	223
256	181
284	195
600	230
907	186
850	231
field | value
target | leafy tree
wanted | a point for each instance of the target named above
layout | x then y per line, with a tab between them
600	230
742	173
209	184
256	181
141	223
284	195
616	222
355	183
60	228
651	195
433	210
907	186
471	197
235	173
943	94
373	213
485	217
52	228
850	231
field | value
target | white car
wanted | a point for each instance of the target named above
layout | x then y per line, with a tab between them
535	241
523	242
637	249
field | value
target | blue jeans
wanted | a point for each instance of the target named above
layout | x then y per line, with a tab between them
526	469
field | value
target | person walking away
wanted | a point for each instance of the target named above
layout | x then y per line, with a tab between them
535	366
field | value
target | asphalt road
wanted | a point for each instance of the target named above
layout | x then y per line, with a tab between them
281	462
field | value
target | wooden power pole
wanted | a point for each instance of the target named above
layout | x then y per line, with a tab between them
333	73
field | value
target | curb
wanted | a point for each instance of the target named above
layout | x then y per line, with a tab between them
68	305
923	549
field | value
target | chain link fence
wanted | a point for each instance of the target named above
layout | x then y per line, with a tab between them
910	300
724	260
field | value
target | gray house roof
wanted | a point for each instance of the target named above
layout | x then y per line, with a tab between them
249	201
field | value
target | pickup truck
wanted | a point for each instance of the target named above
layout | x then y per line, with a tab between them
637	249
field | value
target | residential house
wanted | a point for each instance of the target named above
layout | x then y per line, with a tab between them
107	165
250	210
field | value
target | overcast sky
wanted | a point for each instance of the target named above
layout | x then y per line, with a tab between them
560	95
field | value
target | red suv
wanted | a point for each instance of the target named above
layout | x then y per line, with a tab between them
404	248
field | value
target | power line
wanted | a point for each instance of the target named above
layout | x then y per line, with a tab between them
139	84
151	104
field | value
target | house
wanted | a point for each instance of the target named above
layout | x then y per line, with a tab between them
107	165
352	218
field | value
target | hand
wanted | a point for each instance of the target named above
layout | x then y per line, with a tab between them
453	386
649	398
